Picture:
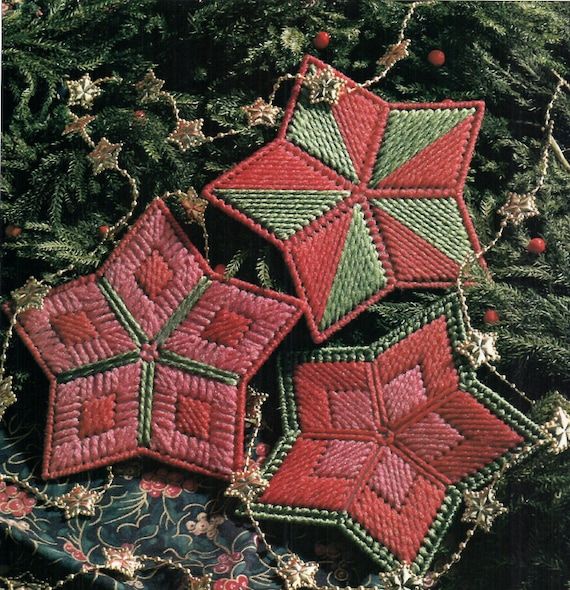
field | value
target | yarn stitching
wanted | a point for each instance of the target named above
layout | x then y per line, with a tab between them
96	341
408	162
417	429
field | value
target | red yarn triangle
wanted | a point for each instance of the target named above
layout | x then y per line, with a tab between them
412	257
316	260
281	166
436	166
357	117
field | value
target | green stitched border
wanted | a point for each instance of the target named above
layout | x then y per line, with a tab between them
146	390
119	360
123	314
182	310
171	359
448	306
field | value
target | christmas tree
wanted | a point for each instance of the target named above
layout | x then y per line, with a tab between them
215	57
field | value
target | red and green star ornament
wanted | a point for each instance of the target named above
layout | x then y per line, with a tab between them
361	196
384	441
151	355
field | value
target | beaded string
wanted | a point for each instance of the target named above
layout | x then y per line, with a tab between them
543	164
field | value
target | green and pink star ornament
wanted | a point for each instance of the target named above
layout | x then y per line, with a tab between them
361	196
385	442
150	355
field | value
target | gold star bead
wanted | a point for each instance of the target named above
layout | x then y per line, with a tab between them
122	560
402	579
78	124
83	92
481	508
194	206
559	429
519	207
324	86
105	156
202	583
7	397
149	87
479	348
188	134
247	484
31	295
395	53
78	502
261	113
297	574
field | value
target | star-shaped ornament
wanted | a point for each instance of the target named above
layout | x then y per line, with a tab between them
30	296
247	484
105	156
194	206
297	574
78	502
149	87
402	579
345	189
188	134
395	53
201	583
481	508
559	429
324	86
384	438
518	208
480	348
78	124
7	397
261	113
152	354
122	560
83	92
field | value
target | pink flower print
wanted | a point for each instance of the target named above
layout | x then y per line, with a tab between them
166	483
204	526
14	501
226	561
239	583
74	551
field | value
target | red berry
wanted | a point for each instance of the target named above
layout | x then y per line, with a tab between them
13	231
536	246
220	269
321	40
436	57
491	316
140	114
103	230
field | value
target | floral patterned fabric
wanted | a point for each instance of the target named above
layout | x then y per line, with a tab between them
153	509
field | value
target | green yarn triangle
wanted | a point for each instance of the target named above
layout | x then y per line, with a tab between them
313	128
438	221
409	132
282	212
360	273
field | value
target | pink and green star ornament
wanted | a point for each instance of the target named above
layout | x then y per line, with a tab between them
150	356
385	442
361	196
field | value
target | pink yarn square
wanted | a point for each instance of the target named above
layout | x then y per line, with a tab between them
261	315
82	296
69	451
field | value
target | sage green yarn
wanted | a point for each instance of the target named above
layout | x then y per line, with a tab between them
314	128
282	212
437	221
359	275
409	132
